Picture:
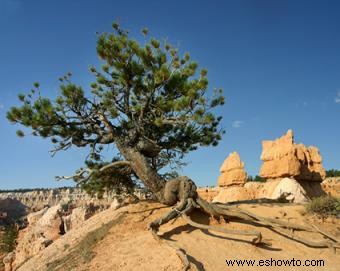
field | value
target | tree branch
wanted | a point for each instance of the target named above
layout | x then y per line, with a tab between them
81	173
115	164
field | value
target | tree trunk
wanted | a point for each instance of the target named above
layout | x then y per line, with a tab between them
143	170
167	192
182	191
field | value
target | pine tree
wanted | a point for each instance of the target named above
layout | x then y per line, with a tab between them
152	103
147	100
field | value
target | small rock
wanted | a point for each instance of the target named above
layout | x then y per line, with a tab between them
8	260
115	204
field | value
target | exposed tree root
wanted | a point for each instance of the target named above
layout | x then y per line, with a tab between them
256	240
326	234
188	201
154	226
180	252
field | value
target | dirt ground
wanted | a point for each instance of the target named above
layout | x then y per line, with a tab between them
127	245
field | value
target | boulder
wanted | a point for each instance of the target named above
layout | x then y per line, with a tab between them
232	171
290	187
283	158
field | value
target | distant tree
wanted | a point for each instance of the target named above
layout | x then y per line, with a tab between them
257	178
332	173
152	104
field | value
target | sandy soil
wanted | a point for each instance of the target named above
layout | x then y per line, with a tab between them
129	246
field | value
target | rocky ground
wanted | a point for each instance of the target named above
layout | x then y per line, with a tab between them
81	233
66	229
2	254
119	240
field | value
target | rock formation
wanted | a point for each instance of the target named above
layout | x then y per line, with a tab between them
44	227
290	169
52	213
290	187
37	200
49	224
283	158
208	193
331	186
232	171
232	193
274	189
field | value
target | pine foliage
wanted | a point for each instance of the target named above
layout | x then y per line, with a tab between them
150	94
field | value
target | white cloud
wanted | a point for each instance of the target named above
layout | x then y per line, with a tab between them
237	123
1	106
337	98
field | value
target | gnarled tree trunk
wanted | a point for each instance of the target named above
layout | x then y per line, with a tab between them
167	192
182	193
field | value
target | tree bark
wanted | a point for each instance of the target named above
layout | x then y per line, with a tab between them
182	192
167	192
143	170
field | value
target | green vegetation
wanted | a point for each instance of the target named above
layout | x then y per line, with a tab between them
111	179
257	178
324	206
148	100
332	173
7	242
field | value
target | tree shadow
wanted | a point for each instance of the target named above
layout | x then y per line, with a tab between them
178	230
202	218
147	210
198	264
260	245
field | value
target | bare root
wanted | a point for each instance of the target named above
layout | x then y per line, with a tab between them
183	191
154	226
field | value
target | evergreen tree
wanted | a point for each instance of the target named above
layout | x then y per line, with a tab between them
148	100
152	104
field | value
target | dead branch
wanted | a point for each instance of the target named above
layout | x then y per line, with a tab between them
115	164
80	174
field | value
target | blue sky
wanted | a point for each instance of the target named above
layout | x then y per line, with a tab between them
277	61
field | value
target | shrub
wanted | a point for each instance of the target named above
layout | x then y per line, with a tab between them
333	173
8	239
324	206
257	178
